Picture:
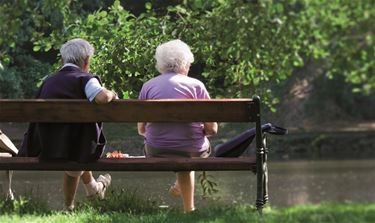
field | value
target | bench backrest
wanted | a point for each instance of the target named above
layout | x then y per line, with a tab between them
167	110
220	110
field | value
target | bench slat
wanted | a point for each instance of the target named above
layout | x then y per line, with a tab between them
132	164
39	110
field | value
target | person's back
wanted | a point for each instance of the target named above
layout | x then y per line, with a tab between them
174	86
173	60
187	137
82	142
68	83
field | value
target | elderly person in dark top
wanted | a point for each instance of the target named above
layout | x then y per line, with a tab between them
173	61
80	142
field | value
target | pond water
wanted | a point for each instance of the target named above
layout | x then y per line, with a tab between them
290	183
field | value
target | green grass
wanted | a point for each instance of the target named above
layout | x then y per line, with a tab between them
124	206
340	213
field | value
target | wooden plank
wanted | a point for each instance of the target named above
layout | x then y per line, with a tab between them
132	164
39	110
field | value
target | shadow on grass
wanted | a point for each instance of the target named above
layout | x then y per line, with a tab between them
120	200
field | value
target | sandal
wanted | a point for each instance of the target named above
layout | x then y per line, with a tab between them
174	191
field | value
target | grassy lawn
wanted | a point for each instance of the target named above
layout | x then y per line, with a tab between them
122	205
340	213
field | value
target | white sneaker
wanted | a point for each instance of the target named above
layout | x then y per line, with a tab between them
106	181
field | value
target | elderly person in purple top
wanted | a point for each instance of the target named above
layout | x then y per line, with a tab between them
81	142
173	61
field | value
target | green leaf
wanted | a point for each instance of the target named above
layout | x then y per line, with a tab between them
148	5
36	48
103	14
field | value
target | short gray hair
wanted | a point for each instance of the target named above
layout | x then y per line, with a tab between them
76	51
173	56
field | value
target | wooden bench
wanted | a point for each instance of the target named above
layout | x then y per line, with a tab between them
214	110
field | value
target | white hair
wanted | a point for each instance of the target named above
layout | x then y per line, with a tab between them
173	56
76	51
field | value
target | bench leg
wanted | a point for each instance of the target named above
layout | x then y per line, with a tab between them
265	169
260	179
262	176
265	184
7	186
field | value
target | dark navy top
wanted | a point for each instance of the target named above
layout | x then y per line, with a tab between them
81	142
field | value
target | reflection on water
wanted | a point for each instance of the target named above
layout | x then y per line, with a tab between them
312	182
290	183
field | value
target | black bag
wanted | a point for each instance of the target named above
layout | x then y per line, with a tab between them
237	145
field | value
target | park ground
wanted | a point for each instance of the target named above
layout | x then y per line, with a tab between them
340	213
123	207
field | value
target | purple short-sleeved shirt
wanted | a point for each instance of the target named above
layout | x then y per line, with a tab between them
187	137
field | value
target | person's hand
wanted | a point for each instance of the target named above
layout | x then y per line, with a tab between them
105	96
141	126
210	128
115	96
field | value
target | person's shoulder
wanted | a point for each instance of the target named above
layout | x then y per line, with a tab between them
152	80
48	78
195	81
82	77
87	76
147	87
51	77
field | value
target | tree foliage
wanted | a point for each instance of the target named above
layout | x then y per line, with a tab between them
23	25
241	47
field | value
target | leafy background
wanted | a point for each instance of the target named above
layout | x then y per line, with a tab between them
312	56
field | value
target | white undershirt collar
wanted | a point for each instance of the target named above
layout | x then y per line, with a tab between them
70	65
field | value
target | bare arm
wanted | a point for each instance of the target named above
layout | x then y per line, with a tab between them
141	128
210	128
105	96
